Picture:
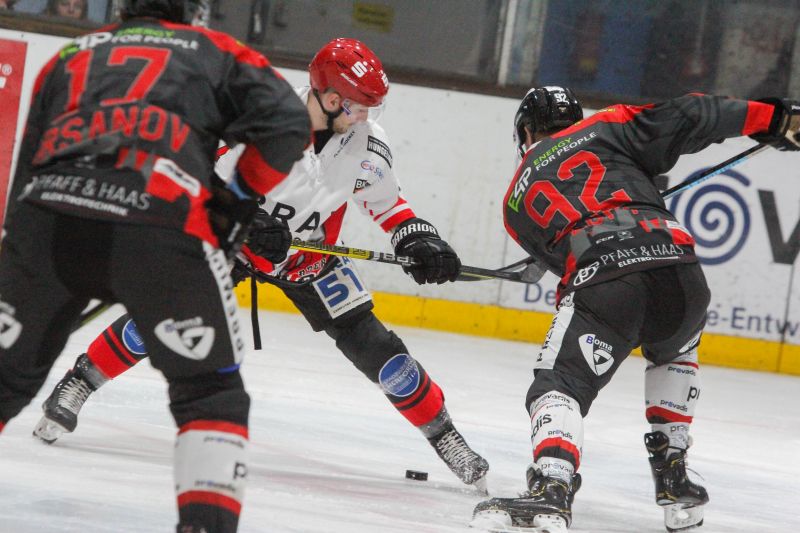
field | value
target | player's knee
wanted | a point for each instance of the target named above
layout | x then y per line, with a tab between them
213	396
550	380
367	343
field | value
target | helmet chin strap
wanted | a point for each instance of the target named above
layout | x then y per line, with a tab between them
330	114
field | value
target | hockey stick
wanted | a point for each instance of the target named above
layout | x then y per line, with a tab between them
713	171
466	272
90	314
531	272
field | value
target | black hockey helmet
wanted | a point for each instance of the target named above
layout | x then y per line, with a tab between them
193	12
545	110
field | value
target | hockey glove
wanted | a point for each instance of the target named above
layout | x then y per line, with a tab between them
784	130
269	237
437	261
239	272
230	217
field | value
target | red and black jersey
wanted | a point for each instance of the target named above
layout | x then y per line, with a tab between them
584	200
125	123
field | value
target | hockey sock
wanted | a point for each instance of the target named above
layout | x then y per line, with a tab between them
671	393
411	390
211	473
556	435
118	348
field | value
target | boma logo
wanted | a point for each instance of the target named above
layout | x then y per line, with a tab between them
189	338
597	353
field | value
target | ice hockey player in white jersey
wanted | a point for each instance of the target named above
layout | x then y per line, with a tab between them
350	160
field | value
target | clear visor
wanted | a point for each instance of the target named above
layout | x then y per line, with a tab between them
356	112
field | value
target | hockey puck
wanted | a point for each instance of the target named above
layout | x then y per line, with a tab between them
416	474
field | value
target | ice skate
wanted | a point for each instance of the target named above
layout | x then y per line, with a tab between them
61	408
470	467
545	508
681	498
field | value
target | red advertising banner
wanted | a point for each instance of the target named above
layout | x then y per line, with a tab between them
12	68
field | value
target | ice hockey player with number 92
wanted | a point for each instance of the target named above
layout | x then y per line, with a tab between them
350	159
584	204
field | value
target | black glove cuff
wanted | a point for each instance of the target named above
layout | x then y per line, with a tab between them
779	123
413	227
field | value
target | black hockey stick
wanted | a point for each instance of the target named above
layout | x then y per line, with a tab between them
713	171
466	272
90	314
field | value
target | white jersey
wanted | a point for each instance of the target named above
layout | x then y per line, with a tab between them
356	165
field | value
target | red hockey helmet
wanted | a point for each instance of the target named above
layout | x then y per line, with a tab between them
352	70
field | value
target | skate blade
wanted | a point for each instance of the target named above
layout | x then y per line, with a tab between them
48	430
481	486
680	517
497	521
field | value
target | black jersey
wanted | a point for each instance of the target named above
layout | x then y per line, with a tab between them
125	123
584	201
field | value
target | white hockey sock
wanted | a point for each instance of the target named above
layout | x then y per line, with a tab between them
556	435
211	464
671	393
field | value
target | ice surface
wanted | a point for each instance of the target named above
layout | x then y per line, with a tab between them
329	453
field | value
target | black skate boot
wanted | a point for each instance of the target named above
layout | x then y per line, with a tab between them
545	508
470	467
681	498
61	408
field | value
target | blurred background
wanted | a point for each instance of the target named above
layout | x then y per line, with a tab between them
608	50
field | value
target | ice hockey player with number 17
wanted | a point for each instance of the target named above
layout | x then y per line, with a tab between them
584	203
349	160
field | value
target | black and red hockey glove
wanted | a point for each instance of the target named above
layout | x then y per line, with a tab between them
437	262
784	130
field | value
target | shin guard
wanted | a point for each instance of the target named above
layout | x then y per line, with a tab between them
118	348
671	394
556	435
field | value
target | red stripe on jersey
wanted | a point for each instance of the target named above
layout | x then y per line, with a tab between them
197	223
222	150
681	237
257	173
215	425
685	363
2	425
398	218
333	225
262	265
666	414
201	497
558	442
225	43
105	359
759	117
617	114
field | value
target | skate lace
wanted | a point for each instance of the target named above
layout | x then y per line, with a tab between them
74	394
454	450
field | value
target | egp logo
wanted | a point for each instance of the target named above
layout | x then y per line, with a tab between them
716	215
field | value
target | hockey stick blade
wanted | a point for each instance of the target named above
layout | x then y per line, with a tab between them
466	272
